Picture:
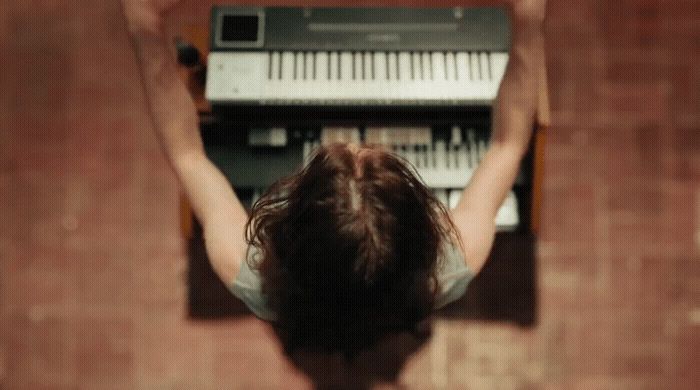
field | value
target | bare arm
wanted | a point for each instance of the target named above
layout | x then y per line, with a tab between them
175	121
513	120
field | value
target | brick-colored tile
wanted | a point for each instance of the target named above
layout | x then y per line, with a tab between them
36	347
102	351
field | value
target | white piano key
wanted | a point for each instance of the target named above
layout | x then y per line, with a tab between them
450	158
453	198
430	158
440	155
405	135
334	64
499	61
439	66
459	163
394	136
410	155
372	135
468	156
220	87
308	147
425	153
299	66
268	136
331	135
308	66
321	65
471	135
256	195
456	135
368	91
416	66
354	136
450	66
401	151
368	65
441	195
420	136
420	156
456	160
393	66
474	151
385	136
358	69
469	150
405	58
484	66
328	135
287	65
463	73
507	217
482	149
474	66
380	66
463	159
275	65
426	66
346	65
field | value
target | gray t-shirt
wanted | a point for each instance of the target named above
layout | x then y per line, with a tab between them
453	279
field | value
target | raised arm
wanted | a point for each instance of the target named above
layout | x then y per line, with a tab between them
513	121
174	118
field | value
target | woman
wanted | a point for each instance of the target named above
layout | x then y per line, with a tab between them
353	250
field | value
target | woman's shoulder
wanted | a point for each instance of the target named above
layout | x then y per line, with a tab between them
453	275
247	287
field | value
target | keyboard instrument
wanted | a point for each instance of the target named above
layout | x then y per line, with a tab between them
444	158
356	56
282	81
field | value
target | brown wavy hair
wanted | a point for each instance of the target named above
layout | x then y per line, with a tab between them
349	250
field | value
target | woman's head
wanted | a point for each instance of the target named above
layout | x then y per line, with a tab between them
349	249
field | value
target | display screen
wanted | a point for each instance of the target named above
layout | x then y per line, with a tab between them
240	28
